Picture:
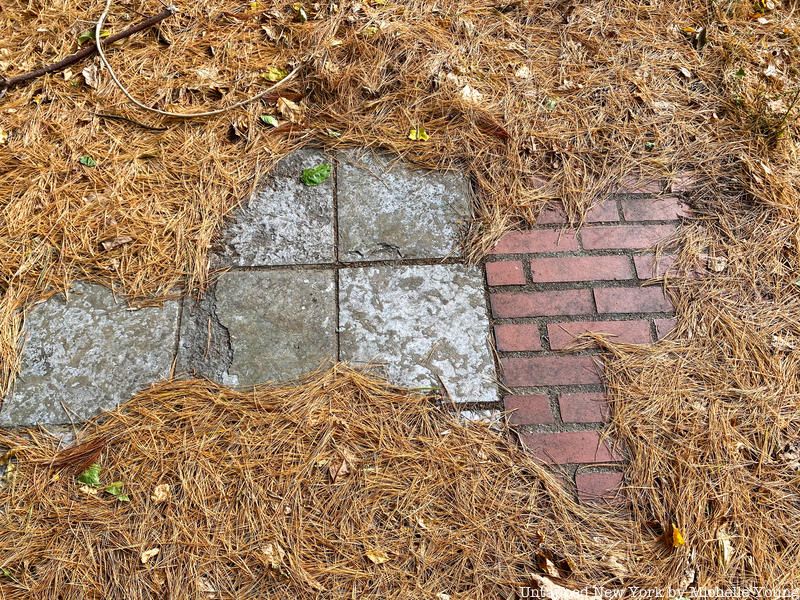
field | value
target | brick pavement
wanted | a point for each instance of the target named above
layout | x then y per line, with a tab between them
552	283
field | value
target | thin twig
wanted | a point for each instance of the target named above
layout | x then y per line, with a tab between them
6	84
166	113
129	120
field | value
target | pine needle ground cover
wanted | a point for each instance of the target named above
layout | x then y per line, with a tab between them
535	100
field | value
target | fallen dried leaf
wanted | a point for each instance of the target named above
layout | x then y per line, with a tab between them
547	566
378	557
724	546
116	242
290	110
148	554
161	493
677	537
275	555
717	263
90	76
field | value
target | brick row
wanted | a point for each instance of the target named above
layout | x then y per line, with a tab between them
603	266
573	407
569	447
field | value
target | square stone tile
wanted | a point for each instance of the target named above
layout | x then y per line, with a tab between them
264	325
419	321
88	354
285	223
387	210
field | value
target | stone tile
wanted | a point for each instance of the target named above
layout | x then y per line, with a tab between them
89	353
286	222
272	325
387	210
418	321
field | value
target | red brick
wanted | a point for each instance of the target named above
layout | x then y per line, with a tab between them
507	272
517	338
591	407
647	267
568	447
664	208
552	214
635	184
580	268
538	240
604	211
598	486
664	326
549	370
532	409
631	300
562	335
624	236
542	304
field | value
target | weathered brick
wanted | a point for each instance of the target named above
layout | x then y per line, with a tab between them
539	304
513	337
537	240
552	214
631	300
588	407
637	237
636	184
506	272
580	268
647	267
562	335
529	409
663	208
549	370
664	326
568	447
593	487
604	211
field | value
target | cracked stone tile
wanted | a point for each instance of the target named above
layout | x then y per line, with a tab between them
88	354
285	223
419	321
388	210
264	325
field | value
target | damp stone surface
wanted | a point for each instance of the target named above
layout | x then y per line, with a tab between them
285	222
389	210
426	326
86	354
264	326
290	291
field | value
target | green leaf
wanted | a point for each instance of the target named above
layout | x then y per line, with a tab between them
275	74
91	476
649	145
87	161
269	120
332	133
316	175
740	73
418	134
88	35
550	103
4	572
115	488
